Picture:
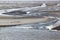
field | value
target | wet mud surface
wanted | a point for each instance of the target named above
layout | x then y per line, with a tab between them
35	31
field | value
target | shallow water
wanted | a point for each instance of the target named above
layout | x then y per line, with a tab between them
36	31
17	33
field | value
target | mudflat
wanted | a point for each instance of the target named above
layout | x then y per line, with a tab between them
23	21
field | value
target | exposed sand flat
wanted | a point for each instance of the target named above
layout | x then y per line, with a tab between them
16	33
23	21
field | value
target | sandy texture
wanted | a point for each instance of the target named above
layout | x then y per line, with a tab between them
23	21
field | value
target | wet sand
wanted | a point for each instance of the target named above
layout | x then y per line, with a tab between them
16	33
24	20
